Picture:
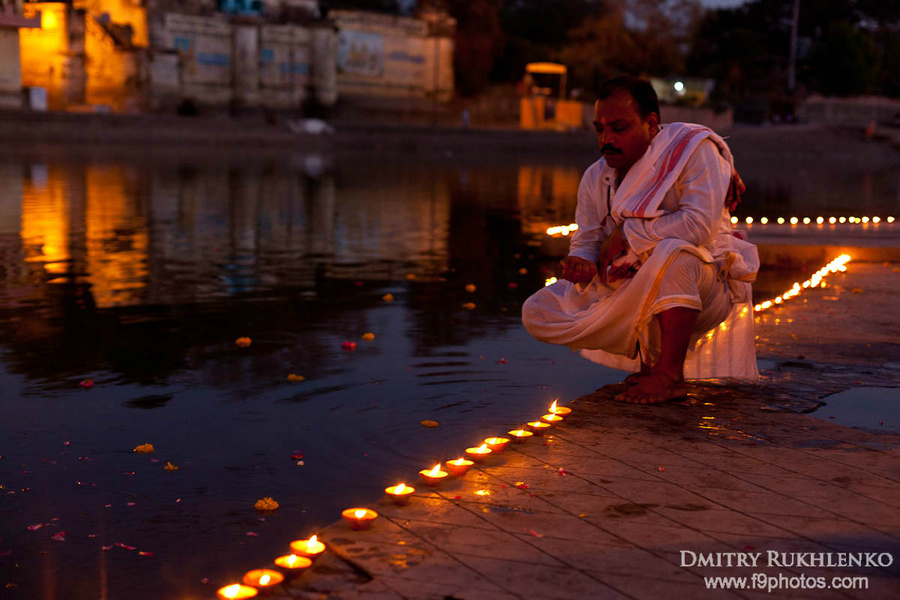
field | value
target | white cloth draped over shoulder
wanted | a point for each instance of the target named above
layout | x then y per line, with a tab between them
672	200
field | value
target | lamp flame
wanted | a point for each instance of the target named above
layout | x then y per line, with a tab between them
482	449
359	514
400	488
553	406
231	591
291	560
264	580
311	542
436	471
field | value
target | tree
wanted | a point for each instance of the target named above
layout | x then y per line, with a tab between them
479	40
639	37
843	61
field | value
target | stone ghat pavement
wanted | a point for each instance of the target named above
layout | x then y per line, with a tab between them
621	501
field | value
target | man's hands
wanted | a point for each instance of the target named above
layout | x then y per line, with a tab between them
612	247
578	270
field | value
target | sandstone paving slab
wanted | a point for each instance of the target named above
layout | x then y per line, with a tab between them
854	507
622	559
439	590
724	521
708	478
651	589
582	505
768	503
500	544
437	509
548	582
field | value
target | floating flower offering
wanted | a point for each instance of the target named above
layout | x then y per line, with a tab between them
236	592
243	342
264	504
359	518
537	427
560	411
433	477
170	467
458	467
520	436
144	449
294	378
497	444
368	337
263	578
551	419
310	548
400	493
292	564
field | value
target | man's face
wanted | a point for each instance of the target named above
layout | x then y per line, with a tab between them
623	135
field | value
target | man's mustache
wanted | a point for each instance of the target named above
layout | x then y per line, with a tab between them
610	148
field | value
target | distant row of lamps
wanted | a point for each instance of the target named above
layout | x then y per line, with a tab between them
817	220
565	230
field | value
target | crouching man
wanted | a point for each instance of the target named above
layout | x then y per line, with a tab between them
656	282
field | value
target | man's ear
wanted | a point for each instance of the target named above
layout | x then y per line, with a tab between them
653	122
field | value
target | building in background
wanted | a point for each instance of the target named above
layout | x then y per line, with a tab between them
134	55
394	57
11	22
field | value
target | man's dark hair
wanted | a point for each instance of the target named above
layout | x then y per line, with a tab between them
640	89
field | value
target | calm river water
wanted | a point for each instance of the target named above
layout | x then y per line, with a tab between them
140	273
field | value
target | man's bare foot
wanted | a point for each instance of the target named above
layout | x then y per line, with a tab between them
653	388
636	377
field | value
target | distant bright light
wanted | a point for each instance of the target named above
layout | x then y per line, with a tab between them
749	220
764	220
781	220
679	86
794	220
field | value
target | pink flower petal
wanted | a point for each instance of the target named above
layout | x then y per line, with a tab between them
35	527
251	534
59	537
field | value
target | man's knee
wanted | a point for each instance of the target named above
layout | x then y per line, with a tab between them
529	314
686	263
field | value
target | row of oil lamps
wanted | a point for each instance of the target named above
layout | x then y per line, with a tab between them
304	552
838	264
817	220
567	229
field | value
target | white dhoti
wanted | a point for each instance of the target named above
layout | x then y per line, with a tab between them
609	325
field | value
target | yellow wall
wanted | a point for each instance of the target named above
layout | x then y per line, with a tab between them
111	74
42	51
121	12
